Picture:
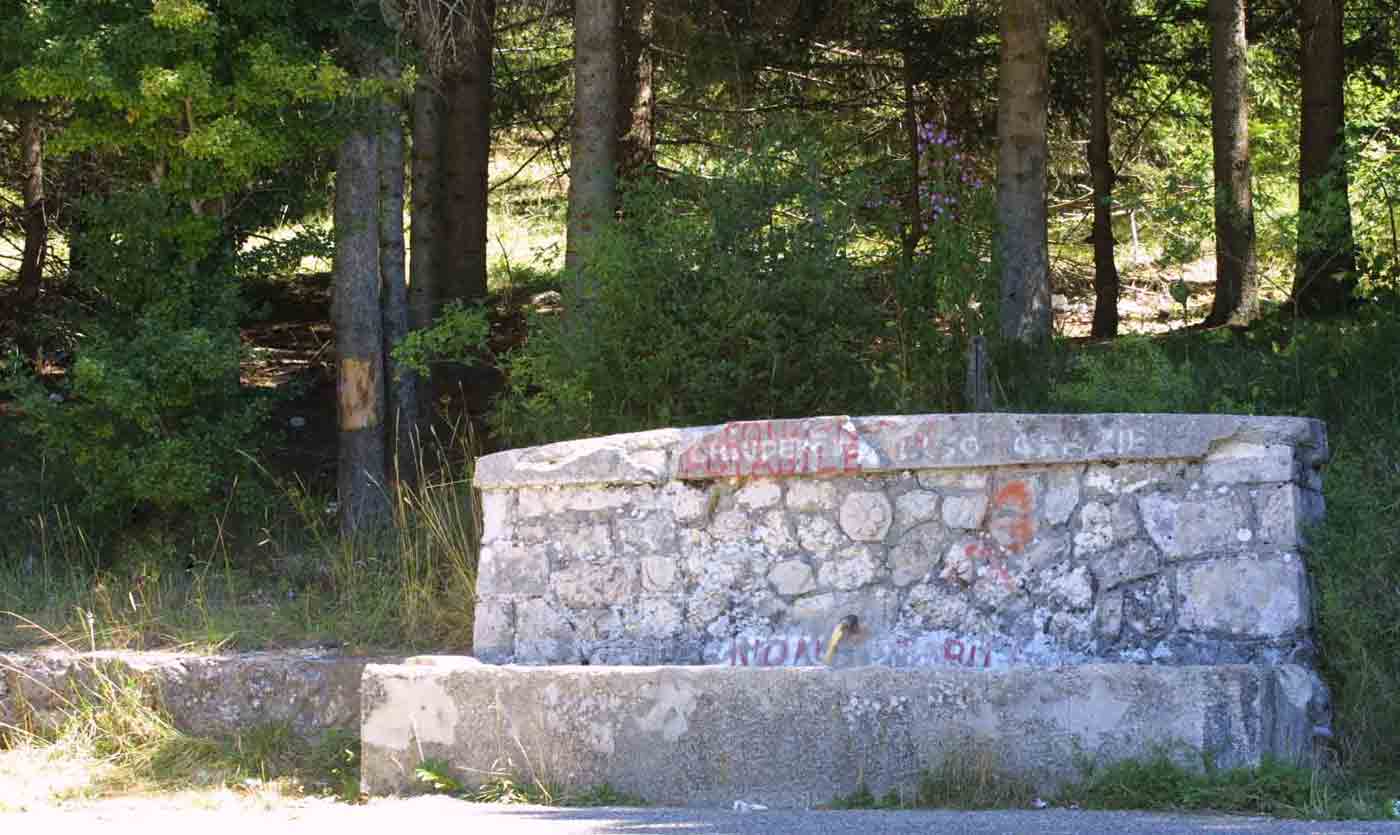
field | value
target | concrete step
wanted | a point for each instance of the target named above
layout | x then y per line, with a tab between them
797	737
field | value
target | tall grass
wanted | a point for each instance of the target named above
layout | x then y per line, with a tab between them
293	581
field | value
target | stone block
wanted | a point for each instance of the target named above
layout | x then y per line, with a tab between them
819	535
542	634
914	508
594	585
1126	563
791	578
1103	526
706	735
654	533
811	496
966	512
1203	524
1285	511
1061	494
509	569
660	573
917	554
866	516
850	568
759	494
493	629
496	506
1240	462
1249	597
953	479
688	504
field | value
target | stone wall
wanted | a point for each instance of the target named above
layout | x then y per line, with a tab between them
980	540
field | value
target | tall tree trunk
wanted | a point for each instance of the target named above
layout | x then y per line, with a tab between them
1105	323
426	216
466	156
1323	279
359	338
593	154
636	113
401	384
1236	279
1022	240
36	226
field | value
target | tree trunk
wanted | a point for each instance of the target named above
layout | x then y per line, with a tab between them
636	112
593	154
1022	240
36	226
1236	279
426	214
401	384
1323	279
466	156
359	339
1105	323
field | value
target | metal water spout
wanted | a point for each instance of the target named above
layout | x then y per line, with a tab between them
849	625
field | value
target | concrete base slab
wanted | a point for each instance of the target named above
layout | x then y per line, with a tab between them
794	737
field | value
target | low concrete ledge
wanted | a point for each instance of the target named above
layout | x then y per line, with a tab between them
205	695
801	736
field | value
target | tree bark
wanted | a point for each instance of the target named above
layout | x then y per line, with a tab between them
1323	280
359	339
427	191
401	384
466	156
1236	278
593	155
1022	240
36	227
1105	324
636	113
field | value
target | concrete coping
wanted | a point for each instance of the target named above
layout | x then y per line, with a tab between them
836	445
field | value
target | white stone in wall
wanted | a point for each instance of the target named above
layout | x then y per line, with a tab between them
914	508
495	514
655	617
601	498
506	568
593	586
818	534
542	634
1061	494
966	512
1236	462
1102	526
866	516
1074	589
1147	606
936	608
792	577
493	624
1131	477
774	531
585	542
1284	510
1048	548
688	504
1108	616
1128	562
730	526
1246	597
660	573
532	502
917	553
1196	526
953	479
808	495
759	494
960	563
850	568
651	534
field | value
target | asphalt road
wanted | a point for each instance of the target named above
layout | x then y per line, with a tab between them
432	815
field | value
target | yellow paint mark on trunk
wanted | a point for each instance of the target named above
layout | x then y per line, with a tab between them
358	390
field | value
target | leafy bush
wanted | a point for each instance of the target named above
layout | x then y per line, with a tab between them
151	414
735	296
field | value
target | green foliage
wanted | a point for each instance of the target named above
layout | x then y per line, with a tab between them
714	298
436	774
1277	789
151	415
459	335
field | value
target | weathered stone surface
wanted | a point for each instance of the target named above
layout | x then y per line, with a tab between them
810	495
311	691
1245	596
831	445
759	494
966	512
493	622
506	568
706	735
792	577
1237	462
1219	521
1013	539
866	516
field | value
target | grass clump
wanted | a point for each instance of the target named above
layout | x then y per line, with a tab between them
1274	788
